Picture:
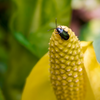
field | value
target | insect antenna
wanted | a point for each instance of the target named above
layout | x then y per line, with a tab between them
56	22
51	29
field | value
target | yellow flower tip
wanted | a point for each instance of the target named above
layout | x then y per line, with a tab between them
67	59
85	45
58	36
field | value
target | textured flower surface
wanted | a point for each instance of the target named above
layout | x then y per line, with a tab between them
74	72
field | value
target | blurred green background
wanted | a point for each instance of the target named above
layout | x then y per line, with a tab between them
24	37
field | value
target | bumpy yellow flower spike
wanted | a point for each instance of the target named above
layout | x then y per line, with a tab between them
66	67
74	72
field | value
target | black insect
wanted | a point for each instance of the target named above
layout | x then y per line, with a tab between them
64	34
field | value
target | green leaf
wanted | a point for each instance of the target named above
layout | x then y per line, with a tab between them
21	61
3	55
1	95
34	18
49	10
21	38
22	14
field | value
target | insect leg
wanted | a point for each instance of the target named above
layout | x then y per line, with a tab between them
61	27
56	22
61	38
56	33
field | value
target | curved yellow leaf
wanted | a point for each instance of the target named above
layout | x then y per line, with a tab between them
85	45
93	70
38	85
89	91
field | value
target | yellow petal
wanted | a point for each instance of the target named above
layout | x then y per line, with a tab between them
93	70
38	85
85	45
89	91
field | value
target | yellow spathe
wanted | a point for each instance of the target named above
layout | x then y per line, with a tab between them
93	71
67	85
67	82
38	86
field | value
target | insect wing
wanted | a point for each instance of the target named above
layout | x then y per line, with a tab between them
64	35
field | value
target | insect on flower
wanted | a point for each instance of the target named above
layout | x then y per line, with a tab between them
64	34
